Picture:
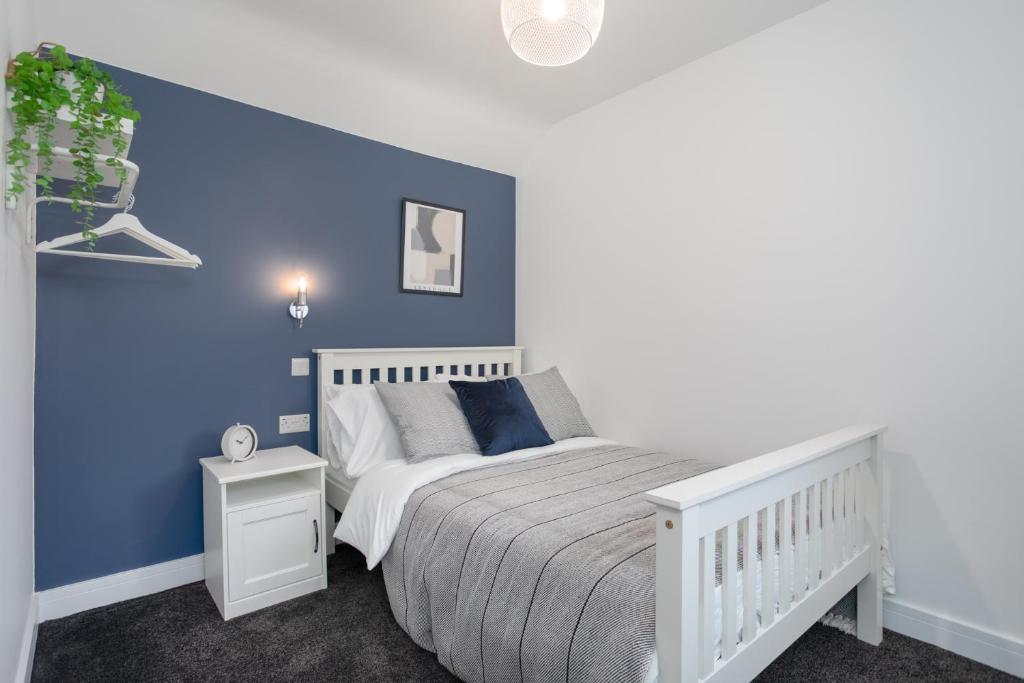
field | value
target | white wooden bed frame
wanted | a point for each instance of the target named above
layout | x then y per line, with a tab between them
839	473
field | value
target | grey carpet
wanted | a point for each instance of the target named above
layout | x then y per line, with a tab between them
347	633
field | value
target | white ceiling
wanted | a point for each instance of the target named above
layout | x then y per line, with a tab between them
433	76
460	44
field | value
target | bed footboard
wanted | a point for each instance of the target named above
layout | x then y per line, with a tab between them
821	500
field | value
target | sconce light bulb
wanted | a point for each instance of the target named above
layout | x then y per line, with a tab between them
299	308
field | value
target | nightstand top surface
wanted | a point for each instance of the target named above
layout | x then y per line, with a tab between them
263	464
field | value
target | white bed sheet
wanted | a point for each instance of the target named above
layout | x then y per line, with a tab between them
374	511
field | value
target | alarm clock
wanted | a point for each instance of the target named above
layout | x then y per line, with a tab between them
238	442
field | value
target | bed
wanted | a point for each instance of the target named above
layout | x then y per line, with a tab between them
591	560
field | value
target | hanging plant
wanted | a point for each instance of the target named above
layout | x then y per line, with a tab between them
42	82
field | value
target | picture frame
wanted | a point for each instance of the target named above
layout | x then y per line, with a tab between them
432	249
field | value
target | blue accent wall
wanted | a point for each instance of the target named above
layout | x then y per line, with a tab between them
139	369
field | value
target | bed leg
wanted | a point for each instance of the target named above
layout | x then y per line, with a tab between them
331	522
869	609
869	590
677	590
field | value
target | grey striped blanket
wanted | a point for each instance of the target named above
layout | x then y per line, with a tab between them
540	570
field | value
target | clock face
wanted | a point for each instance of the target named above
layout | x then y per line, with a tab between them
239	442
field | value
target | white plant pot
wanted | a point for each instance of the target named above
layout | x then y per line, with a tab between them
64	135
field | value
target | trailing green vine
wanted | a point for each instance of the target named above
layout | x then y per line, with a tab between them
42	82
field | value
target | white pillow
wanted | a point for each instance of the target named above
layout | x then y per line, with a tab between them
361	430
459	378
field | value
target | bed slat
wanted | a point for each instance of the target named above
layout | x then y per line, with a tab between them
851	527
750	579
707	605
800	565
840	527
814	537
843	502
859	507
847	515
768	568
786	556
729	549
827	536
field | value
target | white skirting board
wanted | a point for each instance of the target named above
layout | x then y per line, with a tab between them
27	653
999	652
994	650
106	590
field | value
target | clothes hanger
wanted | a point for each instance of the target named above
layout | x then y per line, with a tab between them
124	224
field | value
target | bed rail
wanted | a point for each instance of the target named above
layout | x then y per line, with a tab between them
816	509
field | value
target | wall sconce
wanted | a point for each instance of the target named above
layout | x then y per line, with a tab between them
299	308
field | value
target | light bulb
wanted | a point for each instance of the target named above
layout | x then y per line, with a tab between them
553	10
299	308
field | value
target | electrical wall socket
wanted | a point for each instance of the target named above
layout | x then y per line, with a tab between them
290	424
300	367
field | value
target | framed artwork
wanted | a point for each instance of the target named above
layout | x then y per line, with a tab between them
433	242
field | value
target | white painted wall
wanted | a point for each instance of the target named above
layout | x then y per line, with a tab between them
222	49
17	373
820	225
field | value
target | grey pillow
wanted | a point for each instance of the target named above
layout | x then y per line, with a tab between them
429	419
556	407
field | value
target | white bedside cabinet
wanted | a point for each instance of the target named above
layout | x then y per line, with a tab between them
263	521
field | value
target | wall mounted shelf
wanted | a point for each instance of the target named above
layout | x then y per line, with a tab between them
63	138
63	167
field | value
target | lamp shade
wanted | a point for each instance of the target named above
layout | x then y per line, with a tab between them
551	32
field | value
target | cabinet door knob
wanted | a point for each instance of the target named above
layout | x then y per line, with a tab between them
316	536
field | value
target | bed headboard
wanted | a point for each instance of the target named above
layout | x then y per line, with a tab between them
362	366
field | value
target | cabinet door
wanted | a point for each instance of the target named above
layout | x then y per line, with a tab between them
274	545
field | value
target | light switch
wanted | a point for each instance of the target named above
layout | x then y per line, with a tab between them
290	424
300	367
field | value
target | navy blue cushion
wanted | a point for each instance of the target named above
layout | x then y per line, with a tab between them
500	415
